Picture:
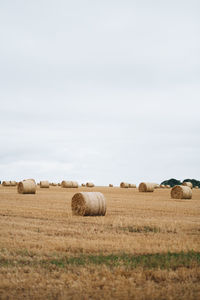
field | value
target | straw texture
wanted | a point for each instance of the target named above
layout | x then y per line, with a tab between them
90	184
69	184
181	192
6	183
124	185
187	183
26	187
146	187
132	185
88	204
44	184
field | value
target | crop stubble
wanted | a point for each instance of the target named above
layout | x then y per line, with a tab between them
35	228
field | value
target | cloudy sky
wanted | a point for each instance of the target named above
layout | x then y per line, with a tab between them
100	90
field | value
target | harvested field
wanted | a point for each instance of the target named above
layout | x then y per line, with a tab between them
147	246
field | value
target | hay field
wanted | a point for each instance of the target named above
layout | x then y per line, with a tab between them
146	247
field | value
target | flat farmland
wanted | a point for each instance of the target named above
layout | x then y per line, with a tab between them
147	246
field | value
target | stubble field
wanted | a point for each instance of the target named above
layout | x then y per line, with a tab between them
146	247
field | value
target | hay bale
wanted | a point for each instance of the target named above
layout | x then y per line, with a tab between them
168	186
196	187
54	184
13	183
83	184
69	184
162	186
90	184
124	185
188	183
6	183
181	192
146	187
156	185
44	184
110	185
88	204
26	187
132	185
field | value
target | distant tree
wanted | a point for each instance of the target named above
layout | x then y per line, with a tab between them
193	181
172	182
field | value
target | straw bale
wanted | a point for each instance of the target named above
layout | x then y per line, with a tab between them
6	183
188	183
124	185
146	187
44	184
88	204
181	192
26	187
90	184
132	185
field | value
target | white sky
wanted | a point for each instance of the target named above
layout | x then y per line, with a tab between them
100	90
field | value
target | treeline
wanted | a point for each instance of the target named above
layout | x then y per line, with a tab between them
172	182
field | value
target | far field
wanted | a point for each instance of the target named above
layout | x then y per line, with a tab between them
146	247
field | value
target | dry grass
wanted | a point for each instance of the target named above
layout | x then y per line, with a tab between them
37	228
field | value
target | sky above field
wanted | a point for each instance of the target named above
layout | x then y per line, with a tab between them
105	91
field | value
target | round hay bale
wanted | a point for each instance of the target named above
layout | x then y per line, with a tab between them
188	183
168	186
181	192
162	186
54	184
132	185
196	187
83	184
13	183
90	184
110	185
6	183
26	187
44	184
69	184
74	184
88	204
124	185
146	187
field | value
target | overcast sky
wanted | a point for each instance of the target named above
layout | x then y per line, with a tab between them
105	91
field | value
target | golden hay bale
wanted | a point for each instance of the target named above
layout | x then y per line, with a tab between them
13	183
124	185
26	187
162	186
132	185
74	184
187	183
196	187
44	184
90	184
6	183
69	184
146	187
110	185
88	204
168	186
54	184
181	192
83	184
